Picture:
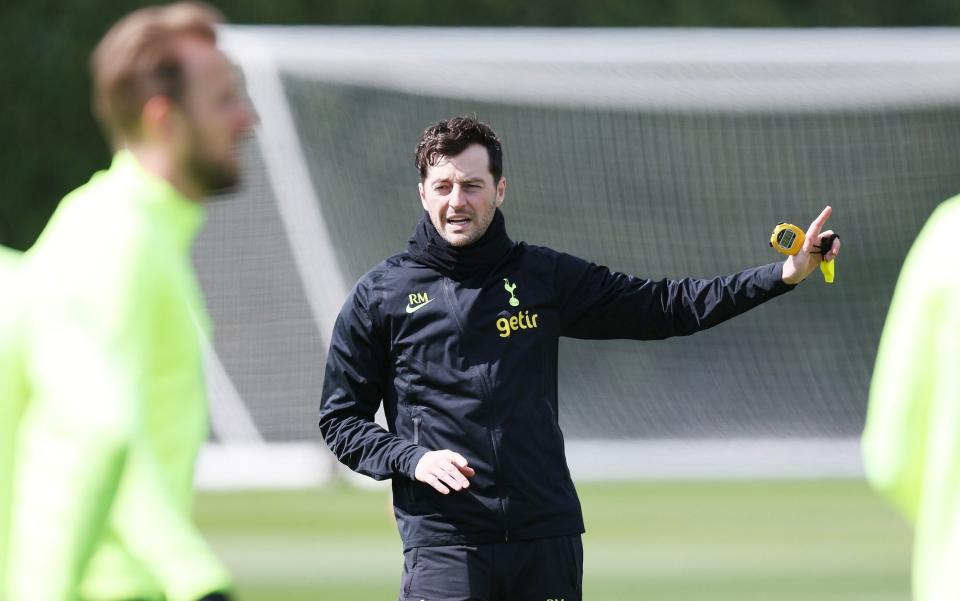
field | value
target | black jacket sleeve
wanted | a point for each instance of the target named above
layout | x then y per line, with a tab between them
352	390
597	303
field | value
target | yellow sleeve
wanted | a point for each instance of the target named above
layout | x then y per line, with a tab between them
157	529
87	348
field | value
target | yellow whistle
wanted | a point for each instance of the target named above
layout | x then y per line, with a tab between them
827	268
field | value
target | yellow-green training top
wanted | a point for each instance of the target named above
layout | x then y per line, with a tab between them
117	407
11	391
911	444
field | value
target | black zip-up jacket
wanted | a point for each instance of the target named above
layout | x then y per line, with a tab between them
470	364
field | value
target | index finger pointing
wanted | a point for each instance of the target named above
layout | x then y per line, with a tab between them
813	232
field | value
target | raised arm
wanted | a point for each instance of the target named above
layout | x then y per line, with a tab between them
597	303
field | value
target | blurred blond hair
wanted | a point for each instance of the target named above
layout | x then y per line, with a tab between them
139	58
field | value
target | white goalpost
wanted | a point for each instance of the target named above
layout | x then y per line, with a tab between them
662	153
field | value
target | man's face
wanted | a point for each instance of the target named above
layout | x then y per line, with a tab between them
460	195
217	117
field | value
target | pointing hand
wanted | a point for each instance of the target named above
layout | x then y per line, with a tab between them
797	267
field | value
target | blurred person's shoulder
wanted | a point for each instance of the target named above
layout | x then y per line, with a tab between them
101	213
948	211
941	228
96	234
9	259
931	256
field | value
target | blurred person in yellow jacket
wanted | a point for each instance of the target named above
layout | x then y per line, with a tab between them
911	443
113	319
11	386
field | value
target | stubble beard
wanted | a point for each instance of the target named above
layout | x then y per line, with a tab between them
474	235
212	175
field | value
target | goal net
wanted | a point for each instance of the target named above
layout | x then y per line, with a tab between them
661	153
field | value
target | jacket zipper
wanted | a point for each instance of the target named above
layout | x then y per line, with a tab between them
411	487
452	299
416	428
503	504
484	378
485	391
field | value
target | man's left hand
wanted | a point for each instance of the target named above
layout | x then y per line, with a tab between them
797	267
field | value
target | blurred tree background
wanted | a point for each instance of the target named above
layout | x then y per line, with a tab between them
52	145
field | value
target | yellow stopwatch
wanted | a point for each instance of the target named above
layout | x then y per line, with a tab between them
788	239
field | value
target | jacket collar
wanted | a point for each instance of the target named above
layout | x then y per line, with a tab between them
427	247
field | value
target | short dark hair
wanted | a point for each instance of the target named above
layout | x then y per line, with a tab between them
450	137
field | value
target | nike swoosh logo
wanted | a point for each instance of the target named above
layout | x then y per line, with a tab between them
411	309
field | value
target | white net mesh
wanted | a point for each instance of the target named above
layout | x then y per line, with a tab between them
659	153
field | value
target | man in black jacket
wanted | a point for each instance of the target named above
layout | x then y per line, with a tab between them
458	338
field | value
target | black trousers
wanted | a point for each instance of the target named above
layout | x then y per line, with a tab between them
546	569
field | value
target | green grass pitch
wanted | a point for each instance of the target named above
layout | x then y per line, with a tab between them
716	541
